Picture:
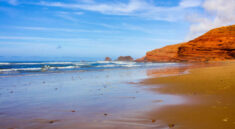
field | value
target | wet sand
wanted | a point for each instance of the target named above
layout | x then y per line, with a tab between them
210	93
188	96
105	99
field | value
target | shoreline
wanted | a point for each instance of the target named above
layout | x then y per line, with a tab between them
210	89
105	99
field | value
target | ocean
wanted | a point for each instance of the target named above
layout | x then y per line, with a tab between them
27	67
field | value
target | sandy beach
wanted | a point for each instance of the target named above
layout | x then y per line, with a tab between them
94	99
188	95
210	98
194	96
117	64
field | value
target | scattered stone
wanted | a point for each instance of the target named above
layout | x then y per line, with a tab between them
225	120
153	121
51	121
105	114
171	125
73	111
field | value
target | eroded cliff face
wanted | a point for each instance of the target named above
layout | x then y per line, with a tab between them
215	45
165	54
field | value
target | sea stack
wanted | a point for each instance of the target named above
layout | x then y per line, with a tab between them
107	59
125	58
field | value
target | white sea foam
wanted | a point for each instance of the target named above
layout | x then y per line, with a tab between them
66	67
19	69
131	65
106	66
4	63
58	62
103	62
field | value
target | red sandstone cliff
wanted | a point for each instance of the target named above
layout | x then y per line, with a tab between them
217	44
165	54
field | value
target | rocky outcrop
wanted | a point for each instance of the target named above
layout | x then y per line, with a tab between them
165	54
142	59
215	45
107	59
125	58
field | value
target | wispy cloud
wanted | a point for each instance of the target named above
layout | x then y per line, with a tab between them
11	2
63	29
71	16
190	3
41	38
219	13
138	8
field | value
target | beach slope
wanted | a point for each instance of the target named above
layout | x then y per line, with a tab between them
210	92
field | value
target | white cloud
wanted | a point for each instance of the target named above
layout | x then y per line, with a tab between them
62	29
106	8
138	8
219	13
42	38
12	2
216	13
190	3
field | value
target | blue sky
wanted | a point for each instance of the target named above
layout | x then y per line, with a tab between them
99	28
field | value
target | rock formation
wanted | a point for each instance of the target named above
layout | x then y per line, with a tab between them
125	58
142	59
215	45
107	59
165	54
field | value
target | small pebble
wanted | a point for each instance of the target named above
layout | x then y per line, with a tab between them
105	114
153	121
73	111
171	125
51	121
225	120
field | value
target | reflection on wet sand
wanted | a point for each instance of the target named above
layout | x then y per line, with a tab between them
114	99
178	70
211	93
106	99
